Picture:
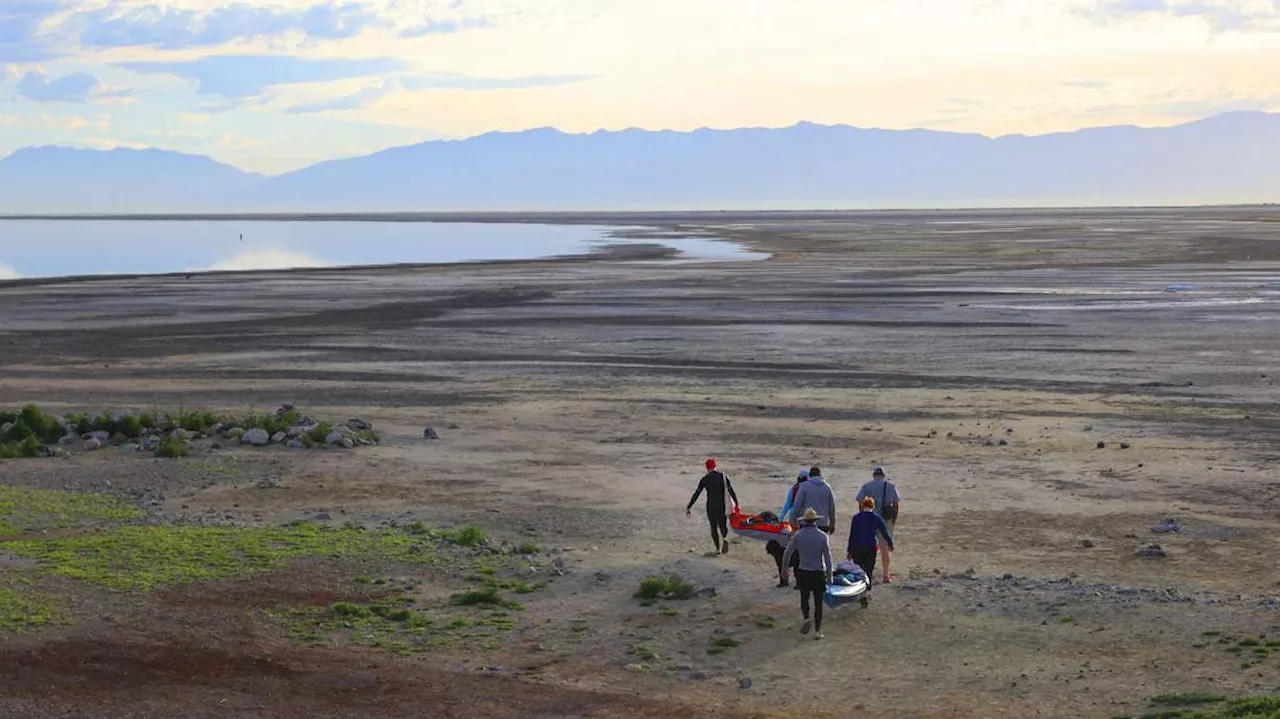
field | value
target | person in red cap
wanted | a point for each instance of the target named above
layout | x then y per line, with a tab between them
719	490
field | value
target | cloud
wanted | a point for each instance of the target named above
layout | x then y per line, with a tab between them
267	259
20	26
364	98
371	95
450	81
8	273
1223	16
77	87
241	76
448	27
172	28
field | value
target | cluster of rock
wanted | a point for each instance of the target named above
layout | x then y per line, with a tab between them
356	432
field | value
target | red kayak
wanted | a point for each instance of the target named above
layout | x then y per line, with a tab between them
766	527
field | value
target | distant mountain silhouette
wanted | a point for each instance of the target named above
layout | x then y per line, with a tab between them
1232	158
60	179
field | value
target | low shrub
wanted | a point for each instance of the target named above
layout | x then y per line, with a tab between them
670	586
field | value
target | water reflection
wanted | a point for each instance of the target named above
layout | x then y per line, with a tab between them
32	248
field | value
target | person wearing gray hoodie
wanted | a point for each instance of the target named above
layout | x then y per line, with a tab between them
815	493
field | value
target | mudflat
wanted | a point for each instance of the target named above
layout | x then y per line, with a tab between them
1045	387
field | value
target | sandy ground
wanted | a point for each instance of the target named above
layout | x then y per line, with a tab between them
576	401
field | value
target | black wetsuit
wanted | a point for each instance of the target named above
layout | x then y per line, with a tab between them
716	485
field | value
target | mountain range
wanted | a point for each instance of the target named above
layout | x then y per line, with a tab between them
1231	158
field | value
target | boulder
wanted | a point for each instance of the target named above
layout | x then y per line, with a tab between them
345	431
181	435
296	444
99	435
359	424
129	448
60	453
256	437
278	437
347	443
151	443
430	435
335	437
69	440
235	433
91	444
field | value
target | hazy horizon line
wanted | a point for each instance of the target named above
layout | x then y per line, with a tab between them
633	129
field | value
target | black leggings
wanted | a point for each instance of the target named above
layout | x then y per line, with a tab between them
815	583
719	528
865	557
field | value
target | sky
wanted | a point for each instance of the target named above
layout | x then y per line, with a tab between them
275	85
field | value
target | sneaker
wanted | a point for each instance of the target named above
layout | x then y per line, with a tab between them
725	548
806	626
783	583
819	636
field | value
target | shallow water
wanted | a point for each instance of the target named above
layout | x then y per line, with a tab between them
38	248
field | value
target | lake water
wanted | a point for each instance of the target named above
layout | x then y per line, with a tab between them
42	248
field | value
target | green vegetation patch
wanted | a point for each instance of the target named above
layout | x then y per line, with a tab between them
393	624
1262	707
670	586
139	558
23	511
20	611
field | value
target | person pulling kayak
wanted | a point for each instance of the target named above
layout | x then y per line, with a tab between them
813	544
719	490
863	530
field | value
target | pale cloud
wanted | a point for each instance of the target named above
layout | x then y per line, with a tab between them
311	79
77	87
267	259
8	273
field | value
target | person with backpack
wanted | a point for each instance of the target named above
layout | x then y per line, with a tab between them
885	494
816	493
774	547
813	545
719	490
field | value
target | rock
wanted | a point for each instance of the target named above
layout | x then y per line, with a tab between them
129	448
151	443
298	430
216	427
334	438
453	426
99	435
278	437
430	435
268	483
323	516
1088	428
235	433
347	443
296	444
345	431
1125	445
359	424
744	683
699	676
637	667
1003	443
707	592
1168	526
256	437
1153	551
92	444
537	647
59	453
681	667
1086	543
69	440
285	408
1102	445
216	446
181	435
